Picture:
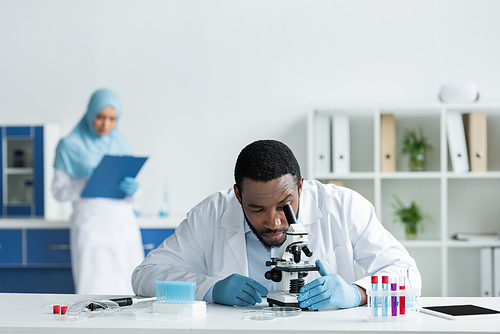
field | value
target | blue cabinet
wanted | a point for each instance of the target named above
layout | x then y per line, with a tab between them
39	260
153	237
35	261
48	247
36	280
22	170
11	247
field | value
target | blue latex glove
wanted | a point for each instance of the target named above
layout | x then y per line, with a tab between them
128	185
238	290
328	290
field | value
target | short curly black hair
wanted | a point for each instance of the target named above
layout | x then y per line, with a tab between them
265	160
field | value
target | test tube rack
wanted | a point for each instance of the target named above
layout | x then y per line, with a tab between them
387	305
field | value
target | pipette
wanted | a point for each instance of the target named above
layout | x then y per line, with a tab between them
126	301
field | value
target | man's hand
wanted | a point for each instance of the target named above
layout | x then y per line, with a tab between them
328	290
238	290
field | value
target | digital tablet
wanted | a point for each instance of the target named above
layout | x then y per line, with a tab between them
458	312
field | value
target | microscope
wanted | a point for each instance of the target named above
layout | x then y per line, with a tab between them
289	267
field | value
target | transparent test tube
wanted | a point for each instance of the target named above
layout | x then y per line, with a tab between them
375	299
405	272
385	299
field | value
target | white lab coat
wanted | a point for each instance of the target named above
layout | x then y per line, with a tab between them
210	243
105	240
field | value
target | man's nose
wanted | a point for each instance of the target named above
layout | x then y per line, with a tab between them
274	219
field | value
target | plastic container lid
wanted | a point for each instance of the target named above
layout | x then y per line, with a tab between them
385	279
374	279
261	315
284	311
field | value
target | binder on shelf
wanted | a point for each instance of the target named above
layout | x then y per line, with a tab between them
341	143
323	142
456	142
496	271
484	237
339	183
387	143
477	140
486	262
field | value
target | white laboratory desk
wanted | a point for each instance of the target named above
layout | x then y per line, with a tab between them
22	313
170	222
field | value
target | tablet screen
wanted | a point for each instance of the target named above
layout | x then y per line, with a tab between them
460	310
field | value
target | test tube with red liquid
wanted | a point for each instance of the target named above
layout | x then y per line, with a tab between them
402	306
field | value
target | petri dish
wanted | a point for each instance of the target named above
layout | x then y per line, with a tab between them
284	311
260	315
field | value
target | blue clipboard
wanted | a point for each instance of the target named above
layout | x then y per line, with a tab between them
108	174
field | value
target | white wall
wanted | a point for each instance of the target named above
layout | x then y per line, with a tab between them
201	79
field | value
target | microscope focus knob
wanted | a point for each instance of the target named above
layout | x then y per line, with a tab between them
273	275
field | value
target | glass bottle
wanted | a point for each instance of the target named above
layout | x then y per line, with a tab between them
165	202
28	191
19	158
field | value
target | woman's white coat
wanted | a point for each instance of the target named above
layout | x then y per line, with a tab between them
105	240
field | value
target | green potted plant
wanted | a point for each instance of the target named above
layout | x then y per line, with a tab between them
416	146
410	216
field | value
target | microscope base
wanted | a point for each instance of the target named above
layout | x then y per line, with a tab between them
282	298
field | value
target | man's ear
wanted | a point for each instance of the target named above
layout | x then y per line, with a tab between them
237	193
300	185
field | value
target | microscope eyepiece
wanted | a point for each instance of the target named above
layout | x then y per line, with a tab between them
290	216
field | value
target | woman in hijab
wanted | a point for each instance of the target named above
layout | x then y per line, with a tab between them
105	239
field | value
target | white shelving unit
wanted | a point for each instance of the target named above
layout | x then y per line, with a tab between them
457	202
